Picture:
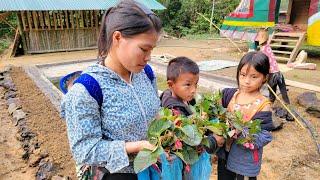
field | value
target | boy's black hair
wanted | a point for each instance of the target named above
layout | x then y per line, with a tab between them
181	65
257	60
128	17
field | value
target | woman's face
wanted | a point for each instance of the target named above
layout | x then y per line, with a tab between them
134	52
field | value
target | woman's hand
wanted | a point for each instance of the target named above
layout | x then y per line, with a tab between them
135	147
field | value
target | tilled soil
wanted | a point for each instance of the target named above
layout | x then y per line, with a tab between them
45	122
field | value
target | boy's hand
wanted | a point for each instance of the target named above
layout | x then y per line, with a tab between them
220	140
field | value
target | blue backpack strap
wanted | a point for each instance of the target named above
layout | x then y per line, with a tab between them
149	72
65	79
92	86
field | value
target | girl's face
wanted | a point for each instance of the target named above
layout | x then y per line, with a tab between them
133	53
250	80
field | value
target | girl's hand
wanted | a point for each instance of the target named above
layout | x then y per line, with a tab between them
249	145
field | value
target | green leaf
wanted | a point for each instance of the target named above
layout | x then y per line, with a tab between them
164	112
157	127
146	158
205	141
190	155
215	129
191	135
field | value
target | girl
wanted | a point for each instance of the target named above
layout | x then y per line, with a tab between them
275	77
109	134
237	161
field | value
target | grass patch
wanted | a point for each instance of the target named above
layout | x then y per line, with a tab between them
4	44
202	36
313	51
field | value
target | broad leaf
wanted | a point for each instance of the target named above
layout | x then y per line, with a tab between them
191	135
190	155
157	127
146	158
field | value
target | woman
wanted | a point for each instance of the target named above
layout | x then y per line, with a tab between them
109	135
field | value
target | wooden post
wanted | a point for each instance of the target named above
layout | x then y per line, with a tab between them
72	19
35	19
54	20
23	19
91	19
86	13
289	12
81	19
96	22
24	44
77	19
61	19
29	20
48	20
66	17
41	20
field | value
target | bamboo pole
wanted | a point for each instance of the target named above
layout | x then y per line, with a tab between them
221	31
282	103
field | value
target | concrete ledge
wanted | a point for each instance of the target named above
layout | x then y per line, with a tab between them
42	82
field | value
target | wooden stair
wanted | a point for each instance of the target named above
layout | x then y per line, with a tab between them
286	46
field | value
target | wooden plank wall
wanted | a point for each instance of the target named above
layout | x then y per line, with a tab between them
50	31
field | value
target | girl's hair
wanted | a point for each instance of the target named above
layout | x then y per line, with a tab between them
257	60
128	17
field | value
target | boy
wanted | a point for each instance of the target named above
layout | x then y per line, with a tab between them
182	80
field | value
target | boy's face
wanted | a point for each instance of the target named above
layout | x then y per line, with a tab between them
185	86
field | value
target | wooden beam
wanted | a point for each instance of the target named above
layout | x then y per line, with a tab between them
66	17
289	12
303	85
22	32
29	20
81	19
77	19
54	20
48	20
23	20
72	19
61	20
86	19
91	19
35	19
42	24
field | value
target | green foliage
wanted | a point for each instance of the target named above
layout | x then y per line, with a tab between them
4	44
146	158
186	136
181	18
5	29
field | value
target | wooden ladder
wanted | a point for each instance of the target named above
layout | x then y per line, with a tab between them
286	46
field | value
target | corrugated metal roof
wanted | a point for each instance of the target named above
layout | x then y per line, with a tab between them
45	5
